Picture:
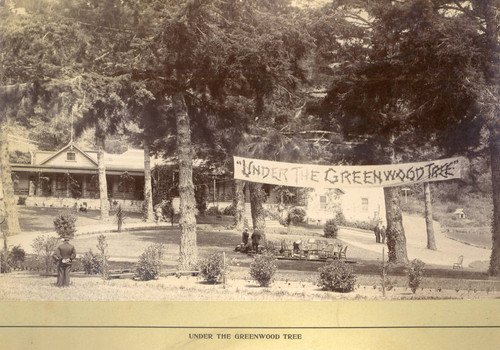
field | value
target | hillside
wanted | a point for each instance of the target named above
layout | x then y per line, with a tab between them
474	228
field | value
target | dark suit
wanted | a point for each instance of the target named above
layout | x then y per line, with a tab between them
64	255
255	241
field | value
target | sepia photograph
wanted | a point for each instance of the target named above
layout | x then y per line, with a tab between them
249	168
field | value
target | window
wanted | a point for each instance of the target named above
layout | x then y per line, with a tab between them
71	156
322	202
364	204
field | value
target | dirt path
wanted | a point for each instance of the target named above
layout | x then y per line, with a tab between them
416	243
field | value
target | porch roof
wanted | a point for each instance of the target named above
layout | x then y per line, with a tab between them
110	170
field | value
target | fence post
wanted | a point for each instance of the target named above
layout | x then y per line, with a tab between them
383	272
224	269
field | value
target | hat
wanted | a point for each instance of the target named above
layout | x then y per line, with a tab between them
246	228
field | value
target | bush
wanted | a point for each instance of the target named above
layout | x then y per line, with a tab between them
230	210
337	276
64	225
360	224
212	211
296	216
331	229
274	215
102	246
91	263
263	268
415	273
149	264
212	268
120	217
16	257
44	247
340	218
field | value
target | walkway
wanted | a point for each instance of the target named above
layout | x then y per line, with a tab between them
416	243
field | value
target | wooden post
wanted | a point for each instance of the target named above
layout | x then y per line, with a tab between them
383	272
214	185
224	269
84	186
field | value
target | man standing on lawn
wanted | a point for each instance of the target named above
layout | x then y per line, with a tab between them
64	256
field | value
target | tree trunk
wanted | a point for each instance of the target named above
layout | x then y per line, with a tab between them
148	193
239	204
431	241
492	75
187	221
494	269
257	198
9	212
103	185
396	240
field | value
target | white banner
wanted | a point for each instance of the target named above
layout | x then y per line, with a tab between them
324	176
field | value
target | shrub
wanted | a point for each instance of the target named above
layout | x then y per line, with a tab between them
212	268
64	225
340	218
149	264
4	261
44	247
120	217
360	224
263	268
15	258
296	216
337	276
331	229
212	211
230	210
76	265
102	246
415	273
91	263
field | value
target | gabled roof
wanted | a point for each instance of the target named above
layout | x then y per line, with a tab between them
71	147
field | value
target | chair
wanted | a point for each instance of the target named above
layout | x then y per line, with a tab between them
270	247
342	253
330	252
336	254
458	264
313	247
286	249
304	250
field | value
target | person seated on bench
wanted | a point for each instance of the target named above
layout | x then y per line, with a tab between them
83	207
296	246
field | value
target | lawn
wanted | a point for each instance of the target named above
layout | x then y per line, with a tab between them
295	280
289	286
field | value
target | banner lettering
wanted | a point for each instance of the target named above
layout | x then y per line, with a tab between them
324	176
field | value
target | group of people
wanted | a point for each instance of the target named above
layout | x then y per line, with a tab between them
245	246
380	233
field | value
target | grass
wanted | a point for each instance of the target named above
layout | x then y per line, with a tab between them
296	280
287	287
